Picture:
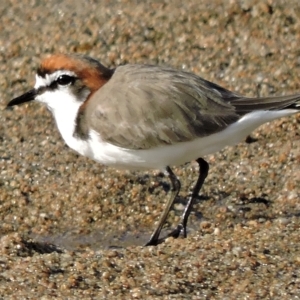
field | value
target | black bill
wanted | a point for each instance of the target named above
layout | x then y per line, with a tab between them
29	96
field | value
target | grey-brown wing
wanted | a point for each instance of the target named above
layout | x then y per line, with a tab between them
244	105
143	107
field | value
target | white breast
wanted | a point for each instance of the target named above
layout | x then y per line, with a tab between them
64	107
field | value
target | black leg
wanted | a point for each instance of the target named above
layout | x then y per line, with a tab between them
154	239
203	171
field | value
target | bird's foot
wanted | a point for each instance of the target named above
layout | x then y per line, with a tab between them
175	234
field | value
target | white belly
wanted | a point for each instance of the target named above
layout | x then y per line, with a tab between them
160	157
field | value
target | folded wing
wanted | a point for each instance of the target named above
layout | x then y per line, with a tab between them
143	107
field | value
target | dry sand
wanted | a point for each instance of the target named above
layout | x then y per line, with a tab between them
73	229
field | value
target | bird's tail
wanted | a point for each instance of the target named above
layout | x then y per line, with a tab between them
245	105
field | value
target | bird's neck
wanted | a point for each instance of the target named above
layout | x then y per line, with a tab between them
65	117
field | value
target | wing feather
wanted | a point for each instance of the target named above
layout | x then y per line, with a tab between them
143	107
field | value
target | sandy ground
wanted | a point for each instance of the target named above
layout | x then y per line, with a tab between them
73	229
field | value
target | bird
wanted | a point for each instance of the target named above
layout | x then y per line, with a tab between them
140	117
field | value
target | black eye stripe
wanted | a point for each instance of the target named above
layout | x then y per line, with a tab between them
62	80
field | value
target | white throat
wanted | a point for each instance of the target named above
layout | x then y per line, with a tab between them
64	107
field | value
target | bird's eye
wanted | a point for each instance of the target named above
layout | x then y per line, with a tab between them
65	80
